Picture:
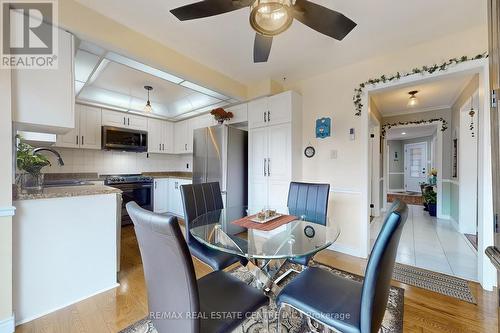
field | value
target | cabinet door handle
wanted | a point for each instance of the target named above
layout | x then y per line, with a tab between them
268	116
265	167
123	120
268	170
186	146
265	117
156	183
163	146
82	141
160	146
128	120
77	139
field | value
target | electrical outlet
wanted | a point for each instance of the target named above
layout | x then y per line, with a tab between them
333	154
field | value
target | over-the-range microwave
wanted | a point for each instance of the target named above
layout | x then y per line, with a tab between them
124	139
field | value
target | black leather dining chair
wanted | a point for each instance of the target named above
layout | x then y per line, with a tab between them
311	201
199	199
346	305
172	286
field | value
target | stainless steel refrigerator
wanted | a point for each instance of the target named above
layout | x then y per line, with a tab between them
220	154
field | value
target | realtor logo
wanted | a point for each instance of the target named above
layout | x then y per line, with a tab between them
29	34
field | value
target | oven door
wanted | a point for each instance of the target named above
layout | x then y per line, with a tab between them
141	193
114	138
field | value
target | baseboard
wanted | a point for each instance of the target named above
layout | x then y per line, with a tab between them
7	325
25	320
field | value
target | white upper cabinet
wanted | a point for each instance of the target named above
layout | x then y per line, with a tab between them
124	120
240	113
160	136
273	110
87	132
181	137
44	99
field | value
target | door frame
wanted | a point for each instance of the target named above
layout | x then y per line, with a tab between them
486	271
406	171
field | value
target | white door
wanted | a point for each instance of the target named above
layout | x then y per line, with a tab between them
190	126
114	118
90	128
172	197
72	138
280	109
160	196
279	163
257	173
137	122
257	113
180	130
155	136
415	166
168	138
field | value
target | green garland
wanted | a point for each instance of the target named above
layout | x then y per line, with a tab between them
358	92
444	124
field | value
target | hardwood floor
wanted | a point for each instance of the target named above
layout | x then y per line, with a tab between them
424	311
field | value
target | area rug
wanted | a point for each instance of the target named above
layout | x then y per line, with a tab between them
433	281
294	323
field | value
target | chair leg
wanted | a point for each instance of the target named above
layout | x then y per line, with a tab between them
278	329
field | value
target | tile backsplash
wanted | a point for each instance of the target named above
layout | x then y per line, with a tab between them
115	162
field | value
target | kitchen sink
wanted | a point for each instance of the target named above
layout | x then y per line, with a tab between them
65	182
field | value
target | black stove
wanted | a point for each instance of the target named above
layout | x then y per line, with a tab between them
127	179
134	187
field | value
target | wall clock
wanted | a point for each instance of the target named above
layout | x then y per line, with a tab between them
309	151
309	231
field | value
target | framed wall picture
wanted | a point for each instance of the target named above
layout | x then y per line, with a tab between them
323	128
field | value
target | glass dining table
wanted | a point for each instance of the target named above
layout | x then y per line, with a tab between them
267	251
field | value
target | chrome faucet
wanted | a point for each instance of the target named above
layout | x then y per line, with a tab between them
59	158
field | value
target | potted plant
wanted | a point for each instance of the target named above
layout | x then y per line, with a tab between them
31	165
433	176
430	198
221	115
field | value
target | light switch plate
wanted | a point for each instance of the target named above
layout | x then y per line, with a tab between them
333	154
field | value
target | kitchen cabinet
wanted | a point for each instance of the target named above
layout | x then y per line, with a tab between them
184	136
43	100
87	131
274	110
124	120
160	136
161	195
274	159
240	113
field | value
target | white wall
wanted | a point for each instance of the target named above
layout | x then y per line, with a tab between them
115	162
330	94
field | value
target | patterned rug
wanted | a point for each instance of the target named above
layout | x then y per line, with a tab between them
411	198
433	281
294	323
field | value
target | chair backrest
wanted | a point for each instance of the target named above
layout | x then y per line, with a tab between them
199	199
168	269
379	269
310	200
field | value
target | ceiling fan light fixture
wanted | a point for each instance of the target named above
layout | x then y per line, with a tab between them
413	102
271	17
148	108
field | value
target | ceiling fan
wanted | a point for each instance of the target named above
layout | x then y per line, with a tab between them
272	17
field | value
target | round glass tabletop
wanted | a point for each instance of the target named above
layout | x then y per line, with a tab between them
294	239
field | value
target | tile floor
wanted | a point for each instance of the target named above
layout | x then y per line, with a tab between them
433	244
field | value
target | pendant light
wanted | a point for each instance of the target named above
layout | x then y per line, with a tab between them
413	102
148	108
271	17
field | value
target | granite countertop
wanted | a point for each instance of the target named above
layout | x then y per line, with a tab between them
83	176
170	174
67	191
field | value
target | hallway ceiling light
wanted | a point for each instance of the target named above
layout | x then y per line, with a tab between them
148	108
404	133
413	102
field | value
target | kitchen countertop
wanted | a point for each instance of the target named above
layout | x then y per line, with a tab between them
170	174
67	191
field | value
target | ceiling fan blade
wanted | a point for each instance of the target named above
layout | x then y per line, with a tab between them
262	48
208	8
322	19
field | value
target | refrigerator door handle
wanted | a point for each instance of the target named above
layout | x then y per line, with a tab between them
265	167
268	170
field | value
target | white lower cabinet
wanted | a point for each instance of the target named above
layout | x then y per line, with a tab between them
167	195
161	195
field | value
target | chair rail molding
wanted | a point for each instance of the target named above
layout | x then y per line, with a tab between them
7	211
7	325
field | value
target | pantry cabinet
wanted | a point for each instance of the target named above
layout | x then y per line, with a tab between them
87	131
274	151
272	110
